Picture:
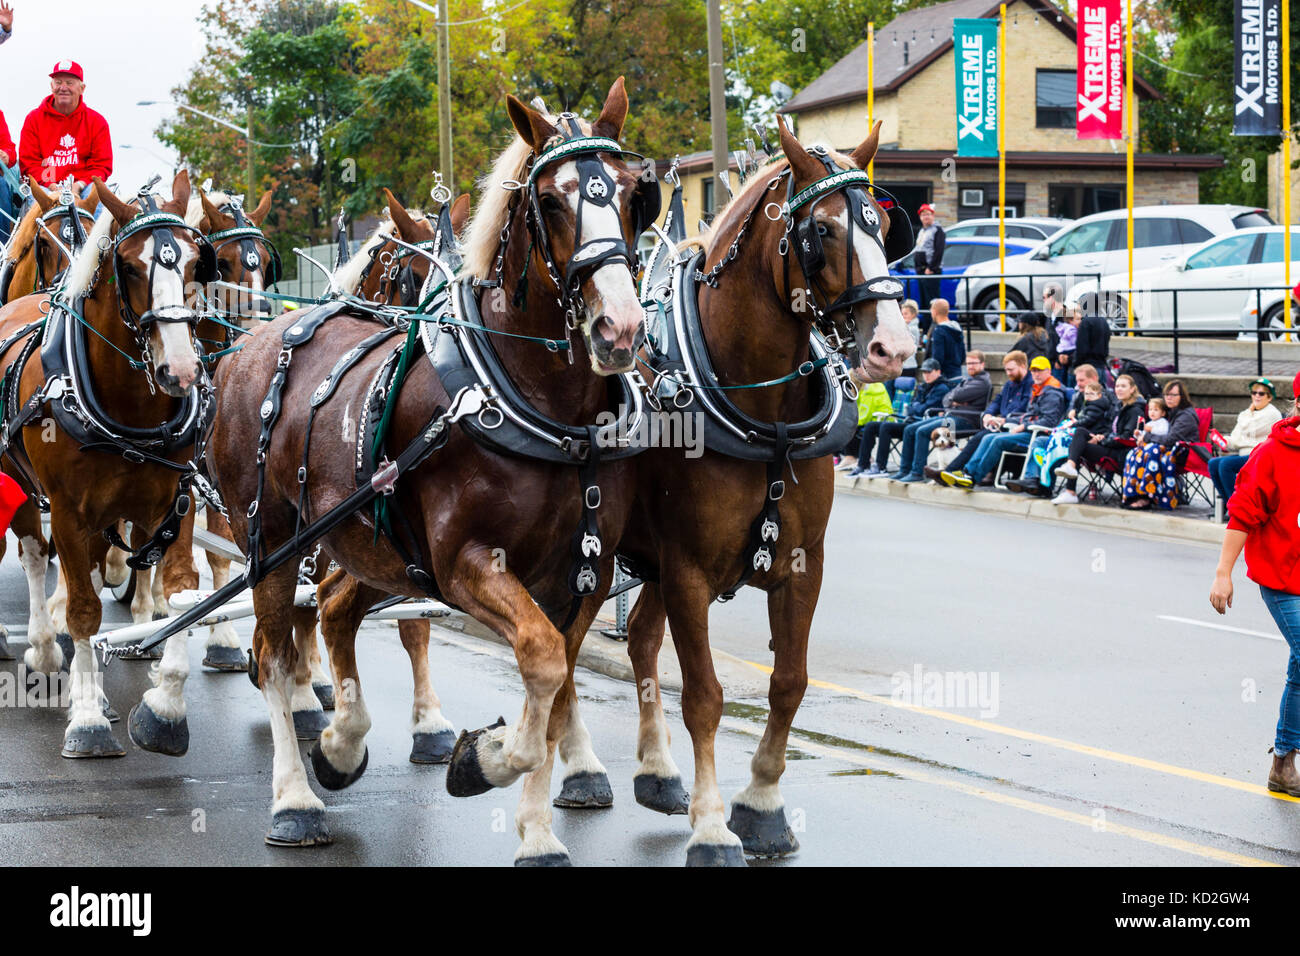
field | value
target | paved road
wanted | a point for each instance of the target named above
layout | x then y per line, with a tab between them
1109	734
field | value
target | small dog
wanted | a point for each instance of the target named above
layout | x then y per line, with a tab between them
943	437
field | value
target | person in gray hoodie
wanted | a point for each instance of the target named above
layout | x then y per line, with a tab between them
963	403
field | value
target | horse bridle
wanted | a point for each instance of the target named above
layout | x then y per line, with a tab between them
596	188
248	235
72	233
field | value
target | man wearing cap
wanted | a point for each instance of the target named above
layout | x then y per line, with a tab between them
1253	425
63	136
929	258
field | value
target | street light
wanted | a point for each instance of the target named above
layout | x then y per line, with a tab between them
444	86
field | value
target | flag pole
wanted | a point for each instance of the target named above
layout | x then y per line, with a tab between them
1002	169
871	90
1128	163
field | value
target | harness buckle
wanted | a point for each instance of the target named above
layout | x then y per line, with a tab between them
133	456
776	491
591	502
384	480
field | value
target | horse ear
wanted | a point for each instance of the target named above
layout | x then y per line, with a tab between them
258	215
805	167
212	217
460	213
866	150
43	199
122	212
532	127
613	113
181	189
407	230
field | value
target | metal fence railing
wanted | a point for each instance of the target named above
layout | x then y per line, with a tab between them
963	307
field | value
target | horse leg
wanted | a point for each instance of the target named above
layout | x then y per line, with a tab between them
586	784
496	756
758	811
321	683
297	814
81	563
711	843
222	652
58	610
432	735
44	654
339	757
115	570
308	712
658	782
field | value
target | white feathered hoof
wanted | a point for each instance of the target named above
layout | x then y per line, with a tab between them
664	794
228	660
92	741
711	854
465	777
308	724
763	833
299	828
433	748
546	859
325	694
155	734
330	777
585	791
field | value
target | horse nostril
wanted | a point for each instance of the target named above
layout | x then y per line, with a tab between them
878	352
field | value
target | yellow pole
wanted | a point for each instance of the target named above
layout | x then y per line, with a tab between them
871	91
1286	161
1002	168
1128	164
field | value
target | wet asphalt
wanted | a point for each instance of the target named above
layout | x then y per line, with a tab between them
1099	731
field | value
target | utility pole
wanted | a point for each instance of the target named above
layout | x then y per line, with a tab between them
444	96
717	103
251	201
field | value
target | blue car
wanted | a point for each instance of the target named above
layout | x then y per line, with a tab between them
958	255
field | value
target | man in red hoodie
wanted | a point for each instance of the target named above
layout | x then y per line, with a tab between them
1264	519
63	137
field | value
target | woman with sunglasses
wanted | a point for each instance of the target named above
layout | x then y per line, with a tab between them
1262	520
1253	426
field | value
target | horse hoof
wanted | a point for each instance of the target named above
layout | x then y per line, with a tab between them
708	854
665	794
111	715
150	732
229	660
160	615
299	828
91	742
763	833
154	653
5	653
308	724
325	694
464	773
546	859
65	644
252	669
433	748
331	778
585	791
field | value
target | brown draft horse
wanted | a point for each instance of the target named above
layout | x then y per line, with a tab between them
691	519
497	531
90	490
32	260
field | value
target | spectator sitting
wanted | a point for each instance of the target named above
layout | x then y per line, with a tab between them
909	310
947	347
970	396
1092	344
1157	425
1151	469
1114	442
1093	416
1253	425
63	136
929	394
873	403
1046	408
1012	400
1033	340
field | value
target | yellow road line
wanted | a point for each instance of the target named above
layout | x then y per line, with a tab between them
1020	803
988	727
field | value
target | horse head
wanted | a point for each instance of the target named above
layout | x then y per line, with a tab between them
156	256
586	209
842	240
63	217
245	257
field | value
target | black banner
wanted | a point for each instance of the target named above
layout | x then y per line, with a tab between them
1257	68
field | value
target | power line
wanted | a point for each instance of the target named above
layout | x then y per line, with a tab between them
1196	76
461	23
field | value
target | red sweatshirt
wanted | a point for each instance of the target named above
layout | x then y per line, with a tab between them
7	144
1266	505
76	145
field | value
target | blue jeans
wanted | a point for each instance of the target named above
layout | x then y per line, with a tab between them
1223	472
1285	609
7	207
1031	466
991	449
916	443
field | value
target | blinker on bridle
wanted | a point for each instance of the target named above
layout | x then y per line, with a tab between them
247	235
166	255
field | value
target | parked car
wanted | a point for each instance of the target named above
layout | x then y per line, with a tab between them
1095	246
1211	281
958	256
1024	227
1269	301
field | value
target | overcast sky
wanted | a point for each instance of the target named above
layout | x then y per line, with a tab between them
131	50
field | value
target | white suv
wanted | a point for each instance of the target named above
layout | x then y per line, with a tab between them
1096	246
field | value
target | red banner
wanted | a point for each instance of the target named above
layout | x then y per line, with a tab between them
1101	70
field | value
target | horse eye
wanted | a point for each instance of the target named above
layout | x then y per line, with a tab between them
822	230
551	204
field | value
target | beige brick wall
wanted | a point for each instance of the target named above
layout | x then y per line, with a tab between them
844	126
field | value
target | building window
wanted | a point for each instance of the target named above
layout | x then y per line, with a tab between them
1057	99
1070	201
706	206
988	194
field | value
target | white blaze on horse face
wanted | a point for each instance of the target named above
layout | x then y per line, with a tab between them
615	305
891	343
171	342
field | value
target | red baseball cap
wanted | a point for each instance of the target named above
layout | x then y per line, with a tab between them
71	67
924	206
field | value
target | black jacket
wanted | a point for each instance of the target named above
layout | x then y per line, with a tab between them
1033	347
972	393
1046	410
926	397
936	261
1093	344
1096	416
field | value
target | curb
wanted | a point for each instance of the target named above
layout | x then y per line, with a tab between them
1089	517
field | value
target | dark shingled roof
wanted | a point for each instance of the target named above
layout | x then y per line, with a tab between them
927	33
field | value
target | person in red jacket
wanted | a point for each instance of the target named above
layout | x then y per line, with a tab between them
1263	516
63	136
